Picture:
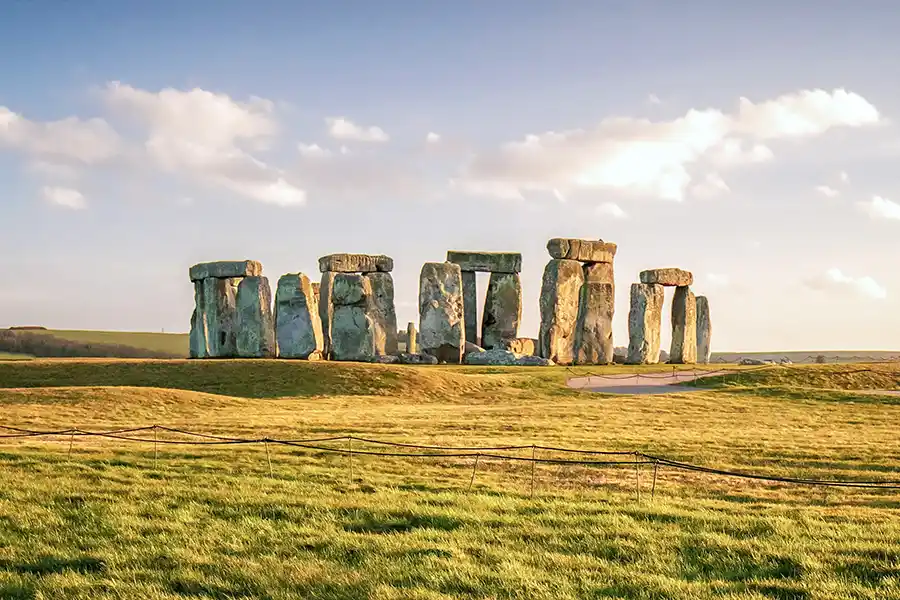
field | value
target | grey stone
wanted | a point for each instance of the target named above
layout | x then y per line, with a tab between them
298	327
411	346
220	313
255	327
353	330
560	291
502	310
470	305
470	347
589	251
684	327
386	359
491	262
704	330
501	357
523	346
356	263
198	338
644	322
226	269
534	361
383	313
417	359
326	310
596	306
669	277
441	318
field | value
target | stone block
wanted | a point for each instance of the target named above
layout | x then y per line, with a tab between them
356	263
704	330
560	291
353	330
596	306
225	269
383	313
199	348
298	326
220	312
671	277
326	310
502	310
490	262
411	344
255	326
441	316
684	327
589	251
644	323
523	346
470	305
501	357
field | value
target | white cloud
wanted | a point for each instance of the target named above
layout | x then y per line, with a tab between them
828	191
653	100
611	209
881	208
844	177
312	150
834	279
712	185
432	137
65	197
655	158
209	137
342	128
69	140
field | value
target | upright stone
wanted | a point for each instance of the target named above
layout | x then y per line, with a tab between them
198	339
325	311
704	330
441	316
383	313
596	306
502	310
560	289
298	328
411	347
255	327
644	322
684	327
220	313
352	327
470	305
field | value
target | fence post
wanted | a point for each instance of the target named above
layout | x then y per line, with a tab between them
155	449
350	456
653	487
71	441
474	468
532	470
637	476
268	458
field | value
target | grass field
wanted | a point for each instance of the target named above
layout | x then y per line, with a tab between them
114	519
174	343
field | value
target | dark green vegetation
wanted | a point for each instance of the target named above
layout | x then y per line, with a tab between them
114	519
36	342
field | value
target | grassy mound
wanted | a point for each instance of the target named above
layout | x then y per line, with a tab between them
873	376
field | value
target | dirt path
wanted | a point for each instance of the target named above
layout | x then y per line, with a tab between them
642	383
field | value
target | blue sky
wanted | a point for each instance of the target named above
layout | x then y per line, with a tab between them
754	144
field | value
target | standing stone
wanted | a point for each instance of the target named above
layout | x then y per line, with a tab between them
596	306
704	330
353	329
411	347
644	322
560	291
255	327
220	313
470	305
684	327
298	328
198	339
325	311
383	313
441	316
502	310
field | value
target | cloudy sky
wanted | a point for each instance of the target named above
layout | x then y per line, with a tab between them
755	144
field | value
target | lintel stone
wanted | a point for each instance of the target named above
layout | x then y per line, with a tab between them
588	251
669	277
356	263
490	262
226	269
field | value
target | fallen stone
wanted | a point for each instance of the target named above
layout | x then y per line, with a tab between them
668	277
356	263
225	269
386	359
502	310
704	330
411	345
644	323
417	359
255	326
501	357
352	329
684	327
326	310
220	312
383	313
523	346
491	262
589	251
534	361
470	305
560	290
620	355
441	318
593	331
298	327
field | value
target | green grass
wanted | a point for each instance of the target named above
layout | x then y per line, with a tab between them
172	343
11	356
115	519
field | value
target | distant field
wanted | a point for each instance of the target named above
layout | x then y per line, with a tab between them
174	343
9	356
119	519
809	356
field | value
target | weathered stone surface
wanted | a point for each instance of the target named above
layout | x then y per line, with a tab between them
668	277
352	328
501	357
356	263
704	330
226	269
315	288
255	327
560	290
220	312
326	310
644	322
411	345
441	318
523	346
198	337
385	359
684	327
590	251
596	306
470	305
298	327
383	313
491	262
470	347
417	359
502	310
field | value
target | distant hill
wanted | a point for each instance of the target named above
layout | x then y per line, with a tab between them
810	356
108	344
